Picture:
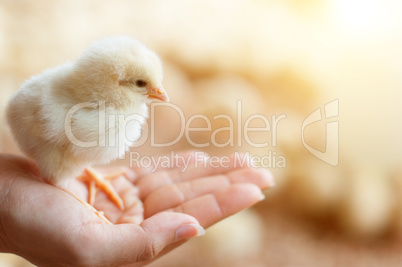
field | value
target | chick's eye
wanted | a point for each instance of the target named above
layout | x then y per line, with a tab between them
141	83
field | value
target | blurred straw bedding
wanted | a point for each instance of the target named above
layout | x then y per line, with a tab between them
281	60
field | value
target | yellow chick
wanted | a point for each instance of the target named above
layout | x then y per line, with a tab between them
71	116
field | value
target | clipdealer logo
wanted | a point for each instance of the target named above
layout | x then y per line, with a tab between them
112	132
331	153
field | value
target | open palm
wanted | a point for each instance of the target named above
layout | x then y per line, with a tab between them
48	226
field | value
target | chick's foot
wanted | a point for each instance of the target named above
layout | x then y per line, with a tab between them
97	180
88	206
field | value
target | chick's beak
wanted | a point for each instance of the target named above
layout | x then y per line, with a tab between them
158	93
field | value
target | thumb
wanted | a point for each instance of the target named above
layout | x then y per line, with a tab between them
168	227
129	243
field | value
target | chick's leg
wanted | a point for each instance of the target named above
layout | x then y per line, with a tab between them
88	206
98	180
98	213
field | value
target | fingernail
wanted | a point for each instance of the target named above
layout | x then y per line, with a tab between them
262	197
189	230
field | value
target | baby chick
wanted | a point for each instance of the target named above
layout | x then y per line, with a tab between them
55	116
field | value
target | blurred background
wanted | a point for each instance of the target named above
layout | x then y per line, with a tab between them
277	58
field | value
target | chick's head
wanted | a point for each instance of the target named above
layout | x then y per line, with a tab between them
118	70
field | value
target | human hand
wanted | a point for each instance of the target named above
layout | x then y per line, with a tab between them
48	226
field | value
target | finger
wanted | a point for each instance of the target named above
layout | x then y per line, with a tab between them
211	208
133	208
172	195
201	167
128	243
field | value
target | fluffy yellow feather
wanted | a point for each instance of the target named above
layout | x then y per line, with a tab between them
119	73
